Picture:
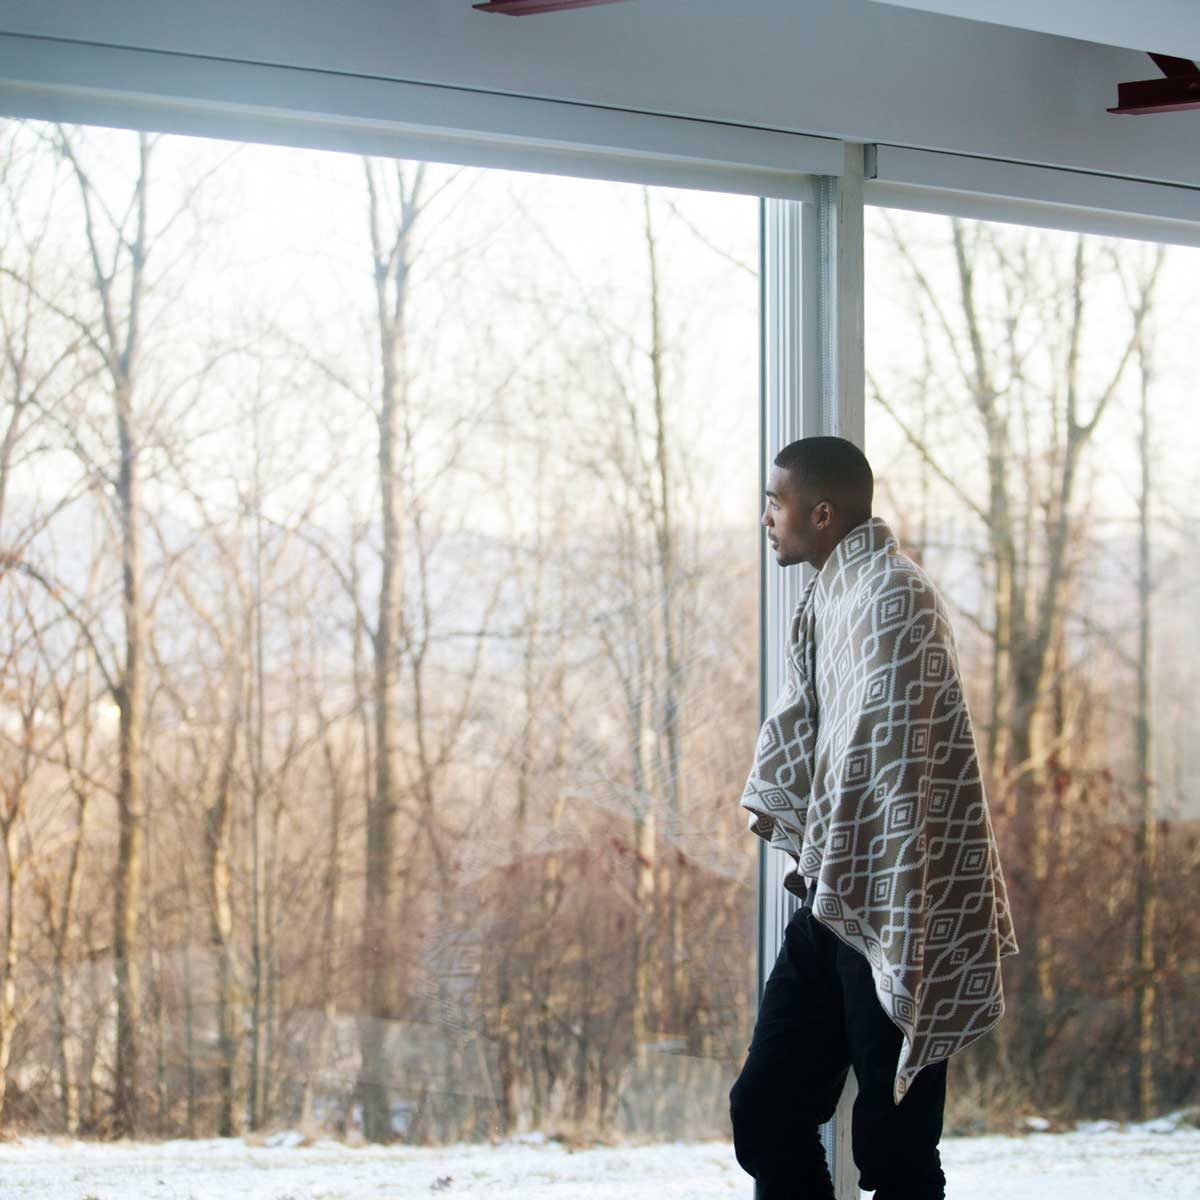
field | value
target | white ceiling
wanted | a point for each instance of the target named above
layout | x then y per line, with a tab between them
846	69
1164	26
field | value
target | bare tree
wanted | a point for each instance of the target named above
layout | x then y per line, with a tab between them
118	240
73	706
22	697
260	652
1033	432
392	252
644	635
1147	852
30	376
403	634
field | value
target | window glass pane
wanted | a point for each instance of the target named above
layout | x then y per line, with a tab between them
381	652
1030	423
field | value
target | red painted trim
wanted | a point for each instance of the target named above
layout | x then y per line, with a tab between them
1174	93
1177	92
525	8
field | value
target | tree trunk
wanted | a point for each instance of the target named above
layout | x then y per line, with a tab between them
669	623
331	924
8	989
643	905
256	1101
68	1052
130	812
218	824
1147	838
189	1031
391	262
64	1051
118	336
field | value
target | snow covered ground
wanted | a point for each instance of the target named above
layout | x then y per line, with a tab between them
1157	1160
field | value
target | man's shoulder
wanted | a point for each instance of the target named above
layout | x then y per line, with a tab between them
895	574
894	568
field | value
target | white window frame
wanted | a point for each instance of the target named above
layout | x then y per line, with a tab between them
813	383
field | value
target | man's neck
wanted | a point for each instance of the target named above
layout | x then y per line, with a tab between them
841	537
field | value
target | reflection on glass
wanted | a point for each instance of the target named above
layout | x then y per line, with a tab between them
1029	425
380	649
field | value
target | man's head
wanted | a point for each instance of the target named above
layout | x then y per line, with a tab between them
818	490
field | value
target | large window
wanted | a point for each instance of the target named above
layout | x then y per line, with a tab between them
1029	416
380	565
380	651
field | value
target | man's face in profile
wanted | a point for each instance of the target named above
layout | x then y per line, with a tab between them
789	517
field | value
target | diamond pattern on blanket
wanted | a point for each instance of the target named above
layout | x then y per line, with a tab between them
867	775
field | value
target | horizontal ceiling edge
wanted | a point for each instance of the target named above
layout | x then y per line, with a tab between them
58	80
79	82
1020	193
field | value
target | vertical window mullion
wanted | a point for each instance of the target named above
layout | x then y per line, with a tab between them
812	383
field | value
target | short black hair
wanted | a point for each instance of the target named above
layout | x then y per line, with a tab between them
832	469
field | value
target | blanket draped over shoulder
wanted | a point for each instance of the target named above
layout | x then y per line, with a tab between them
866	774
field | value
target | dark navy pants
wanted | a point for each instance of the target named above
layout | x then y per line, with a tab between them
818	1017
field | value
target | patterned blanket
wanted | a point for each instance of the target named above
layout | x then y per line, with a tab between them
866	774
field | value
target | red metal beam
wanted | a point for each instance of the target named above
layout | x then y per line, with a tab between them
1169	65
1177	92
526	8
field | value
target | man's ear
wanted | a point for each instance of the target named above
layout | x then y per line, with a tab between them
823	515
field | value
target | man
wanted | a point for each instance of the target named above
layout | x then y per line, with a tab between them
866	775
